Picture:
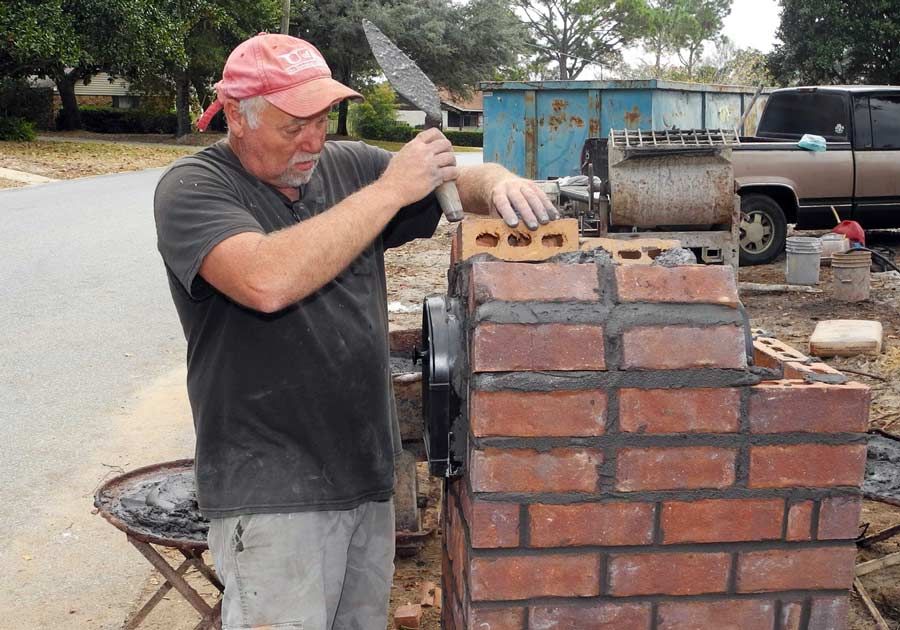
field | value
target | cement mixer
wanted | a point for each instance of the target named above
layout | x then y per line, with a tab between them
673	185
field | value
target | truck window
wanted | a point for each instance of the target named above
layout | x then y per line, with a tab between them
791	114
885	121
862	123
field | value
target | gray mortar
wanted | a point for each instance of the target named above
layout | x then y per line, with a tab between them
645	379
675	258
598	256
403	364
882	468
166	508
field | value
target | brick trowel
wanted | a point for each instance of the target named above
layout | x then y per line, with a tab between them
411	83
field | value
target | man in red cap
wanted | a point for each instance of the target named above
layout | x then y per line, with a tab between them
273	242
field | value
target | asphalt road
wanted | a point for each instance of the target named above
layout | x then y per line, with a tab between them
91	384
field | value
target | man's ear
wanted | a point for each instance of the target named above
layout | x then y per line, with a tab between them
236	121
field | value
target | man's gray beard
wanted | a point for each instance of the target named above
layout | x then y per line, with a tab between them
295	180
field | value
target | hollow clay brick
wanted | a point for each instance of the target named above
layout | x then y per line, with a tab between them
494	237
789	406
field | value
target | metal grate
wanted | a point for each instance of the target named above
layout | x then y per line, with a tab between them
673	138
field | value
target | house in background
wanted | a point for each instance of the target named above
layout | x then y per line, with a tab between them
101	91
456	114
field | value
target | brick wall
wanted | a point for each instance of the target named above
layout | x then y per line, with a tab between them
627	469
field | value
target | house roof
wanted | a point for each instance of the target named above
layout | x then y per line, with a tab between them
473	104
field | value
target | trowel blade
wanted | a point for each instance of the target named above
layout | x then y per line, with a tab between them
403	74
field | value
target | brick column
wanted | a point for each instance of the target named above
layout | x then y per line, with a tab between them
627	469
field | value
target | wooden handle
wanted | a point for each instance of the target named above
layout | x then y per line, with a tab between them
448	197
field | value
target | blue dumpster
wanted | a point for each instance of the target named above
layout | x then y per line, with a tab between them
536	128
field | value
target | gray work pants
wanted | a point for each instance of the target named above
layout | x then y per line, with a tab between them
306	570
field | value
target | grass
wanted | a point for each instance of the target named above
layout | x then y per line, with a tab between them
396	146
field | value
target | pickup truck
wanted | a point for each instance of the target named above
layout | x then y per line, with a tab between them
859	173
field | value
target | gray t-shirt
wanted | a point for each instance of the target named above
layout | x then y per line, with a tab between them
293	411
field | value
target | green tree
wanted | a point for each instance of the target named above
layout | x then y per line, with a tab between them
456	45
200	36
71	40
576	33
837	41
699	21
682	27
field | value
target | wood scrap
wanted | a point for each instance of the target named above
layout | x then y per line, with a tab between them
876	565
756	287
438	598
870	605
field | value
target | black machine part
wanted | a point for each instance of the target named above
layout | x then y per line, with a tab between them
441	357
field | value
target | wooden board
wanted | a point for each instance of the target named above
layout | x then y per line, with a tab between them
846	338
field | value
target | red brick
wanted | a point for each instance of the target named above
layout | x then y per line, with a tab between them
731	614
796	569
596	617
668	573
524	577
538	414
678	468
832	613
807	465
772	353
534	347
839	518
497	618
683	347
491	524
679	410
517	282
526	470
783	406
800	521
408	616
795	370
579	524
688	284
721	520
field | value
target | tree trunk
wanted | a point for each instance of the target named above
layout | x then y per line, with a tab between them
69	115
182	104
342	118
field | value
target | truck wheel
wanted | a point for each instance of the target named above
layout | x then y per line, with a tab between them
763	230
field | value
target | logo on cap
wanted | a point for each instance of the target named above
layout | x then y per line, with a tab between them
301	59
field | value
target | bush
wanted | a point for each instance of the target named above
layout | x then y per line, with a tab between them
16	129
113	120
465	138
374	118
19	100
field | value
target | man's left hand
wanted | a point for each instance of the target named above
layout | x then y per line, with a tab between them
514	198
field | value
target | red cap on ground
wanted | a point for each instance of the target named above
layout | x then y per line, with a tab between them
288	72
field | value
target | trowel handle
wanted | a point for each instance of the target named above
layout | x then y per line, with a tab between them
448	197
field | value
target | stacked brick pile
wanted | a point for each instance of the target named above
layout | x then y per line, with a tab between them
627	469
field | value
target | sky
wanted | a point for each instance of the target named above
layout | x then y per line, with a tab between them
751	23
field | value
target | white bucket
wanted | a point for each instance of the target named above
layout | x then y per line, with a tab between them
803	257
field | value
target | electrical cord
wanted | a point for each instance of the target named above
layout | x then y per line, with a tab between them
884	259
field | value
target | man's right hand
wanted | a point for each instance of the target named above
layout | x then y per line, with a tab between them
423	164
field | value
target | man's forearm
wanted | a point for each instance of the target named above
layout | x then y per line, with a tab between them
286	266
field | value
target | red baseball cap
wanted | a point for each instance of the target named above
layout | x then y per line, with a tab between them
288	72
